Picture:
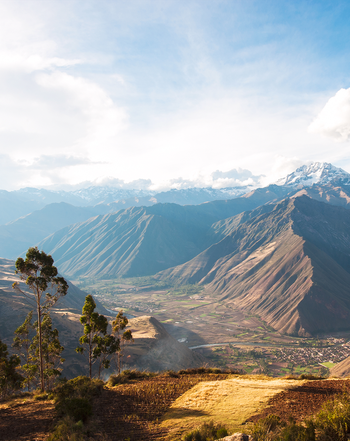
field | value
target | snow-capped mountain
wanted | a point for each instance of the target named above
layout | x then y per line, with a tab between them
316	173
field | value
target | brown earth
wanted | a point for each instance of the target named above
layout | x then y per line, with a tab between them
26	419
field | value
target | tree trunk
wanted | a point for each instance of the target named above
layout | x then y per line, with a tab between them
90	357
41	370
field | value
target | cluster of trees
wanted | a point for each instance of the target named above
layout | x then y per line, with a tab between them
37	344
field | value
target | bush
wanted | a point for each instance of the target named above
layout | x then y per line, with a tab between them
73	398
207	432
81	387
309	377
171	374
79	409
272	428
266	426
68	430
333	420
127	376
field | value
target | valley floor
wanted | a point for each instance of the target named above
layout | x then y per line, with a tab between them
238	340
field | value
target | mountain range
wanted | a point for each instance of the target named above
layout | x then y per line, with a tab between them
280	252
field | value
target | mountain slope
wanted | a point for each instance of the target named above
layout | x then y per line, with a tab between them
130	242
17	236
289	266
142	241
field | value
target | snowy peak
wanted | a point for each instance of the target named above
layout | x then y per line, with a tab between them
316	173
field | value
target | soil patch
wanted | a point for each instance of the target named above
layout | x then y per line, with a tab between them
26	419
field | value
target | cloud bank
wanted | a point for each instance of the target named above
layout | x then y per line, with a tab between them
334	118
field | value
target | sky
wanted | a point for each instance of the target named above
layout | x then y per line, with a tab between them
166	94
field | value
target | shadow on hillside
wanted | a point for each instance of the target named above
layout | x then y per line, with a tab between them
179	332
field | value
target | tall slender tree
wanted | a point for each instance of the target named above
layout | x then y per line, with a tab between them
95	326
21	343
51	351
41	277
118	326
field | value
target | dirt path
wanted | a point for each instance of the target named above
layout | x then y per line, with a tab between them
26	419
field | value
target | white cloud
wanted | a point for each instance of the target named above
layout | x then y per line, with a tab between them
15	61
104	119
334	118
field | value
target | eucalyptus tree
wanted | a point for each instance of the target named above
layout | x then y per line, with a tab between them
95	340
41	277
118	326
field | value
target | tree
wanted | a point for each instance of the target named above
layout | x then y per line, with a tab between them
22	344
51	351
10	380
41	277
95	326
105	346
118	325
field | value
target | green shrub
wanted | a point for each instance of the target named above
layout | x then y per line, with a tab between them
264	427
333	420
207	432
309	377
68	430
297	432
127	376
73	398
81	387
79	409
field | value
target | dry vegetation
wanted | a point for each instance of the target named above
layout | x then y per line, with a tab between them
229	402
165	407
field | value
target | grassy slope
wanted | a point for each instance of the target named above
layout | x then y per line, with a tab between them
229	402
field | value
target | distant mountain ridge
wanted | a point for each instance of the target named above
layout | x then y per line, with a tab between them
320	173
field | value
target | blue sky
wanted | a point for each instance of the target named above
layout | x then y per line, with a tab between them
167	93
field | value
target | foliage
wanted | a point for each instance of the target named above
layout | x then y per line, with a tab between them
81	387
332	422
96	342
118	325
73	398
207	432
42	279
128	375
51	351
68	430
105	346
80	409
273	428
10	380
22	343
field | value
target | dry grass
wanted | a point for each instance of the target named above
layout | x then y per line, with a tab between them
229	402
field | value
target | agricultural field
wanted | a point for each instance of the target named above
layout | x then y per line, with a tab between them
227	336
